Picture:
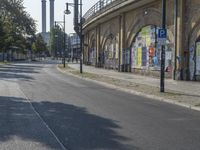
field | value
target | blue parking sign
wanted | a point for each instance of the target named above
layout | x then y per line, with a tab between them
162	33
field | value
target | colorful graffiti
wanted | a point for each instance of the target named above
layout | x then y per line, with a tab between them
146	52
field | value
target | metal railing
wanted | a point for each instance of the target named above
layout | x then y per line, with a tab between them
101	4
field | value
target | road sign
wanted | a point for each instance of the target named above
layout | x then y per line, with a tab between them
162	36
162	33
161	41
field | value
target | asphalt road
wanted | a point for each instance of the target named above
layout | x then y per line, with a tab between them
43	109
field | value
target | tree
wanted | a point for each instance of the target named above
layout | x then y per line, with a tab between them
2	34
39	46
14	11
56	41
15	25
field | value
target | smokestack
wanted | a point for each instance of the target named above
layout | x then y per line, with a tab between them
43	15
51	13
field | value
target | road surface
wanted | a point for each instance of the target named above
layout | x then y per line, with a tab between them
43	109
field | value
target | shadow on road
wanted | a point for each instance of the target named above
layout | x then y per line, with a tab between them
76	128
19	71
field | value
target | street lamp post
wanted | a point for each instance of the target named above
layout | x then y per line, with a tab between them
81	38
175	37
64	37
56	50
78	27
64	42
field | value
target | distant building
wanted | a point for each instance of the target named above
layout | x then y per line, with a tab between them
44	33
44	16
127	37
51	16
51	13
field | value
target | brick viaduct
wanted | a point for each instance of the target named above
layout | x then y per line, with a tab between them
122	35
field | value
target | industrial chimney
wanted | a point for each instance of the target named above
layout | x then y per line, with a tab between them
51	13
43	16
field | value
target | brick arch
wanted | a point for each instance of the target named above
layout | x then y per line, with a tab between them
106	35
91	39
105	42
192	38
193	18
195	32
143	20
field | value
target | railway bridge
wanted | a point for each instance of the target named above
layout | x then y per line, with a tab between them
123	35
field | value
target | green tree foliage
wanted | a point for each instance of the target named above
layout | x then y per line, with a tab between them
16	25
14	12
57	40
2	33
39	46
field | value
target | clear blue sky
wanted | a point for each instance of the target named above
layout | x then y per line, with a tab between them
34	9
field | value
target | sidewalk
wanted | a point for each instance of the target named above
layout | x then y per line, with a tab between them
187	87
182	93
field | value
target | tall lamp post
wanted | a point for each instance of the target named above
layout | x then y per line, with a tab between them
78	25
56	50
64	42
175	37
64	37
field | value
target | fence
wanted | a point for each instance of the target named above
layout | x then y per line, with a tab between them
97	7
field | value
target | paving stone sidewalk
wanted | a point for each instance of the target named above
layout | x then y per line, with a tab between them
186	93
187	87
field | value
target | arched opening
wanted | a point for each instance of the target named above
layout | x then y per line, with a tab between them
194	41
92	53
109	58
145	52
197	60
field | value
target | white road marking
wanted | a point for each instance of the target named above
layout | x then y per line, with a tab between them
62	146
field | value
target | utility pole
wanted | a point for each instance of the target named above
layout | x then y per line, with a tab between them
162	73
64	38
175	37
78	25
81	38
64	42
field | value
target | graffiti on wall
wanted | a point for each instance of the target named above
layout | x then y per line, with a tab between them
197	58
146	52
111	54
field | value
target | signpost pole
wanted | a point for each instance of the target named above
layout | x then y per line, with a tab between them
64	47
81	38
162	71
